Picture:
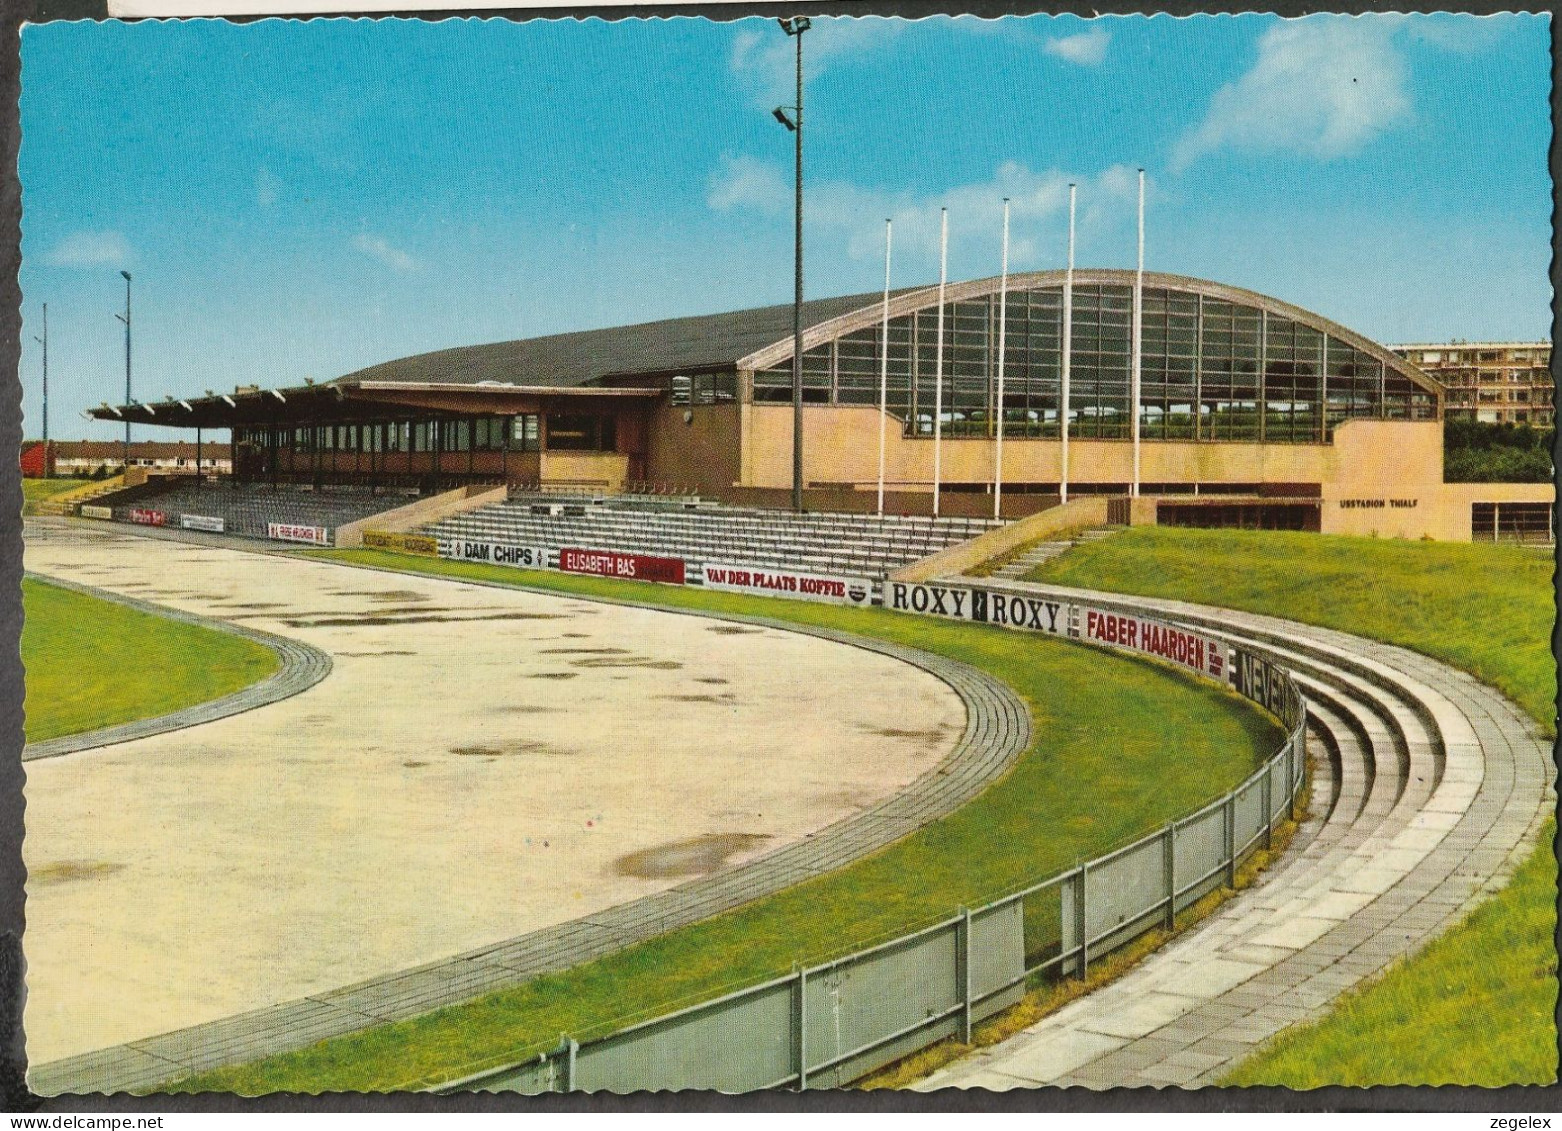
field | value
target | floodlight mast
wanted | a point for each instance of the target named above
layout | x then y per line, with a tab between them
794	26
125	318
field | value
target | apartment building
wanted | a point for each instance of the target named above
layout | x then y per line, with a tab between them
1494	382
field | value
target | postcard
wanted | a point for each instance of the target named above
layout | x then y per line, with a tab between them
568	555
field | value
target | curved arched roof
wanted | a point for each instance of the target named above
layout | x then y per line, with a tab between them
904	302
676	345
754	339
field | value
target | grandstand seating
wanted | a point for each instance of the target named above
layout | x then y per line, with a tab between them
858	545
248	507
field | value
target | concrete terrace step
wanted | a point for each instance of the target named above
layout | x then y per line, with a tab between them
1043	552
770	539
1429	790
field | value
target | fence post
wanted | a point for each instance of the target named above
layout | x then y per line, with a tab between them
1269	808
1079	921
1170	866
800	1028
568	1047
1290	777
963	971
1231	840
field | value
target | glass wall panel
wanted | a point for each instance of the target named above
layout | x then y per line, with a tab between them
1210	369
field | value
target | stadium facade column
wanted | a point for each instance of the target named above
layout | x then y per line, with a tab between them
1263	366
198	453
1323	385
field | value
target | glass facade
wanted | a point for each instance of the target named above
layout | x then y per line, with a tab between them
1210	370
480	434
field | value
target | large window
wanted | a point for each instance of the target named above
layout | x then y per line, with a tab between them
576	433
1210	370
525	433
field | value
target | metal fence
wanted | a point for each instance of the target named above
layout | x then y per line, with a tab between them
826	1025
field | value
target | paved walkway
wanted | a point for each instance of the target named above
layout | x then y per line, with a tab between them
1429	790
996	729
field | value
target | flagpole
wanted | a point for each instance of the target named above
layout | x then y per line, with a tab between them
1003	315
1068	342
1138	347
938	364
884	365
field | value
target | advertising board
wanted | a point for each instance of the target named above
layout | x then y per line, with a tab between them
632	567
148	517
1191	650
788	583
491	553
202	522
1033	614
1257	679
288	532
93	510
401	543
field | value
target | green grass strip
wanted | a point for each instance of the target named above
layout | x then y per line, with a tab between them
1487	609
92	663
1120	746
36	490
1477	1006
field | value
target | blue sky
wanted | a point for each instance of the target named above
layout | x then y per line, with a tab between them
305	198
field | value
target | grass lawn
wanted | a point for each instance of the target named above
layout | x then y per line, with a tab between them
1477	1006
36	490
93	663
1487	609
1120	746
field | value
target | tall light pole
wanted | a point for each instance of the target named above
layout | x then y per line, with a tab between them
125	318
794	26
44	342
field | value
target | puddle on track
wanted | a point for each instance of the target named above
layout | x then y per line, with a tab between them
627	662
516	746
697	857
65	871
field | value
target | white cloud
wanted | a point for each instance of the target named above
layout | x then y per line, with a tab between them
90	249
1322	87
854	216
378	248
751	184
765	58
1087	48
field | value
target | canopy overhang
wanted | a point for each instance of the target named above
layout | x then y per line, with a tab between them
304	405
